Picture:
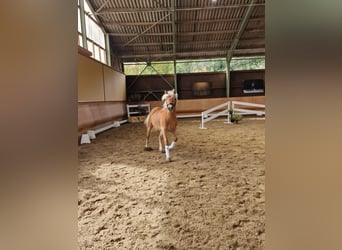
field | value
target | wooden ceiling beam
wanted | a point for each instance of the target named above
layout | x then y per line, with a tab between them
144	44
221	52
171	43
250	51
217	20
179	22
135	23
178	34
179	56
202	8
180	43
167	54
145	34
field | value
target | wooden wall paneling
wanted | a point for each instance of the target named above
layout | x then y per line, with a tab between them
101	94
85	117
90	80
116	110
115	85
96	114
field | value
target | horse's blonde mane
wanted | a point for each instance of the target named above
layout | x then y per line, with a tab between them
164	97
167	94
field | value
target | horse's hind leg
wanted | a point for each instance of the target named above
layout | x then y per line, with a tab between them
148	138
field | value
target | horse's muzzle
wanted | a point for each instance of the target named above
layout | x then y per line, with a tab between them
170	107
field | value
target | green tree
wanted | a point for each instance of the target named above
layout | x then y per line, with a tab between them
210	65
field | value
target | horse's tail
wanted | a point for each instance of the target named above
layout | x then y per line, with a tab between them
146	120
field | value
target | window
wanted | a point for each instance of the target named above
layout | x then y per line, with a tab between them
80	40
182	66
94	32
95	35
79	20
194	66
247	63
97	52
103	56
208	65
143	69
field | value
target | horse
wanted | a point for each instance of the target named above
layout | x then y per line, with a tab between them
163	119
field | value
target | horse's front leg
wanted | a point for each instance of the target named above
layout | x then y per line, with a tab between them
173	143
160	142
166	144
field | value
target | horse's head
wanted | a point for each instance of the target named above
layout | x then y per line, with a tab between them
170	100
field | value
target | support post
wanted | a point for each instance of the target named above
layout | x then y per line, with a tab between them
109	61
228	78
83	25
174	37
175	75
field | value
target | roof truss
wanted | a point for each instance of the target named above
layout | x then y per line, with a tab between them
176	29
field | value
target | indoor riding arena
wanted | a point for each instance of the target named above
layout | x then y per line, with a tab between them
206	190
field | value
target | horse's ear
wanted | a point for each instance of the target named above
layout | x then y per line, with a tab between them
174	93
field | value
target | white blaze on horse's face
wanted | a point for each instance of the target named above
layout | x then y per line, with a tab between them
170	103
170	99
170	107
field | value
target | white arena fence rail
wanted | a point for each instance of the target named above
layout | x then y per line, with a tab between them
145	107
244	111
207	115
91	134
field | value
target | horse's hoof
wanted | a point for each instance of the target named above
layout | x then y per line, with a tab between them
148	149
168	159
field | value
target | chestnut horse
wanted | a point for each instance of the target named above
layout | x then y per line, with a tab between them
163	119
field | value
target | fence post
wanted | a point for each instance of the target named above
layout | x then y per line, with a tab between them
202	121
229	118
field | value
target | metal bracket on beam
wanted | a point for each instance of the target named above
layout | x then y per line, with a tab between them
132	83
101	7
242	27
148	64
236	39
137	36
